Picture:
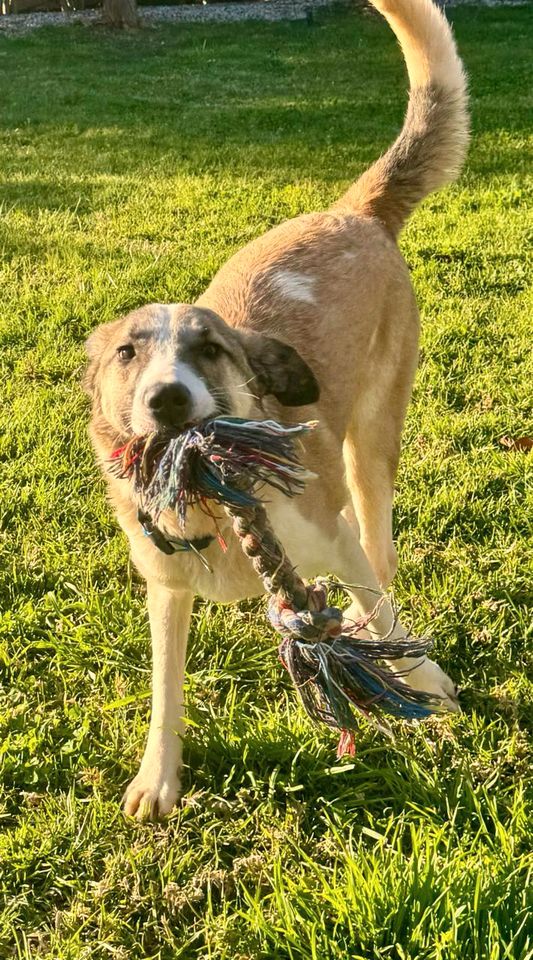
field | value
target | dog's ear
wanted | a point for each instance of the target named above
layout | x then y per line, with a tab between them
280	371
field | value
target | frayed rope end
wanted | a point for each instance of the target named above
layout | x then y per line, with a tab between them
338	671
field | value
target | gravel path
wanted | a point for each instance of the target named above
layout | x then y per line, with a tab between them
16	24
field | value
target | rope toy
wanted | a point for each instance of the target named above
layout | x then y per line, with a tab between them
335	668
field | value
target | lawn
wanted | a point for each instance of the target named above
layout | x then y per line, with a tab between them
131	168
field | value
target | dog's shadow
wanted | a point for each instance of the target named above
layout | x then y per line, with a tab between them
426	770
279	775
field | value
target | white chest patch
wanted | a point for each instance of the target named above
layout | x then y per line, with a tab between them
294	285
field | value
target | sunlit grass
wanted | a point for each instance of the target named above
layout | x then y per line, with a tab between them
131	167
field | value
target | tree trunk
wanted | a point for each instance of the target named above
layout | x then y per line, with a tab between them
121	13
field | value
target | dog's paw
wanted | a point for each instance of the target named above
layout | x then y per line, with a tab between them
149	796
426	675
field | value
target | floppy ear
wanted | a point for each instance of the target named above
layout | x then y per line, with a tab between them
280	371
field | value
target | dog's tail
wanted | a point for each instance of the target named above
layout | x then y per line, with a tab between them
431	147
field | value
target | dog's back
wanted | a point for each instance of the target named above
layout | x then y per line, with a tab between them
294	259
334	285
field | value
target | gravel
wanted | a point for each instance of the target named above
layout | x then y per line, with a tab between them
20	23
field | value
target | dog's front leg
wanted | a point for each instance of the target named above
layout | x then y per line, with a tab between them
155	789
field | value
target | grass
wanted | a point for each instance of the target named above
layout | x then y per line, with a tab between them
132	166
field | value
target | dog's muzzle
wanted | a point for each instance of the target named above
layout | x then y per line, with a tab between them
171	405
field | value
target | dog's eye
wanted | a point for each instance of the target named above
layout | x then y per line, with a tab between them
126	352
211	351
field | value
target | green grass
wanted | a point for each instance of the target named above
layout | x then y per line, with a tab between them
131	167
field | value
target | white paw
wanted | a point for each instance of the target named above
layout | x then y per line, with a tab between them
424	674
151	795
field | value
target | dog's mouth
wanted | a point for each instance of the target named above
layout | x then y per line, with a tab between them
166	430
172	432
159	437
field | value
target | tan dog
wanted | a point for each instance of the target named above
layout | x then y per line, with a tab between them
318	311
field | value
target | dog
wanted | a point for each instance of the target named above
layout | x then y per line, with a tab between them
315	319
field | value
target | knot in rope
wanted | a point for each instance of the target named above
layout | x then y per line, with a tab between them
315	624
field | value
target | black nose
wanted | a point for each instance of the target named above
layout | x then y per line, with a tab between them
171	404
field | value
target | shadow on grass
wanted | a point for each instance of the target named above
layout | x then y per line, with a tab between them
180	101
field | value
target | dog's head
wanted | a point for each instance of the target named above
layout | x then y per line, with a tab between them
164	367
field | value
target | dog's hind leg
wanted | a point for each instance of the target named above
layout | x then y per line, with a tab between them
155	789
370	472
371	448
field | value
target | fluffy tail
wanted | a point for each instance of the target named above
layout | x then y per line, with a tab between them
431	147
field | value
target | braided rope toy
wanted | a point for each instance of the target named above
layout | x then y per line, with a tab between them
335	668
